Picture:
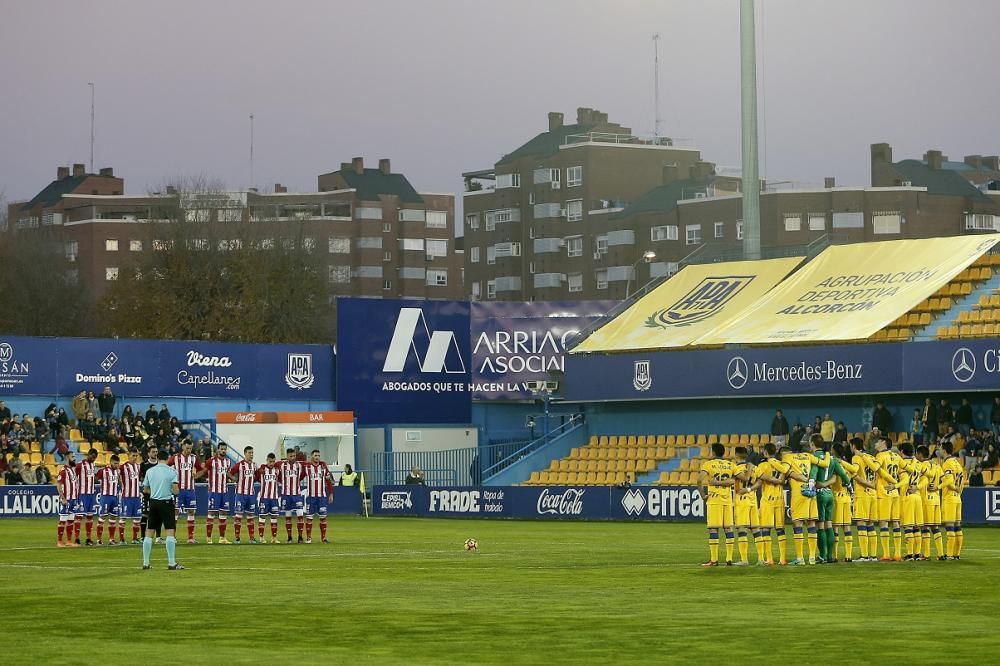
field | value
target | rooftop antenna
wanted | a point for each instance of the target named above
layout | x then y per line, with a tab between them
251	150
91	127
656	85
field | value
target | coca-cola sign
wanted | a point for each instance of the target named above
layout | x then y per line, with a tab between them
567	503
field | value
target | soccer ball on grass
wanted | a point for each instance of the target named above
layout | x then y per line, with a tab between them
471	544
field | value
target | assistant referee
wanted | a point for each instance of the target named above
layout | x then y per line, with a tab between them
160	484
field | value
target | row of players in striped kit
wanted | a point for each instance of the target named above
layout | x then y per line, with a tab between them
280	491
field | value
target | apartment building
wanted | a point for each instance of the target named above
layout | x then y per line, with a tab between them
379	237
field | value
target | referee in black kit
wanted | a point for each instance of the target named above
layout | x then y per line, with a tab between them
148	464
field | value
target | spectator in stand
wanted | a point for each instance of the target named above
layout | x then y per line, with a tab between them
14	467
963	418
41	429
28	475
62	418
88	427
92	405
52	418
415	477
946	416
151	414
299	455
3	464
176	432
161	440
128	412
873	437
976	476
42	475
5	426
164	414
840	434
112	437
929	419
15	436
203	450
991	455
62	445
4	411
995	416
106	403
779	428
817	424
127	431
827	427
28	428
795	437
80	407
882	418
916	428
973	449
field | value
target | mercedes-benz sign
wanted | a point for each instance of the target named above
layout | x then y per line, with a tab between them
737	372
963	364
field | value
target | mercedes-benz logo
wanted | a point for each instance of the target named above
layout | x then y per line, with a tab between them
736	372
963	364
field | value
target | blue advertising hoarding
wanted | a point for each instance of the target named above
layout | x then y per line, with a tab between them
404	361
951	365
515	342
167	368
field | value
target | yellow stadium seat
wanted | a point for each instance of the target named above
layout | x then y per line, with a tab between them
912	319
933	304
975	317
880	335
994	259
989	329
661	452
671	440
965	289
563	478
942	332
754	440
713	439
744	439
925	319
35	458
685	465
629	453
705	452
903	333
723	439
593	440
48	459
963	317
661	440
671	452
964	331
574	454
592	465
602	479
603	441
701	440
629	441
689	440
984	301
954	331
977	330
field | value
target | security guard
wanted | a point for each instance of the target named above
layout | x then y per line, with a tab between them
349	477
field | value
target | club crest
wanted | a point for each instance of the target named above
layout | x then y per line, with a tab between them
706	299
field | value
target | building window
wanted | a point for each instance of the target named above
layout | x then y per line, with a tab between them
574	210
491	222
491	255
491	289
602	245
111	273
476	290
437	277
308	243
574	176
474	254
602	279
574	246
437	247
158	245
531	267
72	250
416	244
369	242
387	227
197	215
412	215
793	222
111	245
472	221
720	229
507	249
135	246
387	284
505	180
692	234
817	222
886	223
668	232
363	213
340	274
739	230
555	175
531	198
387	256
981	222
340	245
575	281
436	219
230	214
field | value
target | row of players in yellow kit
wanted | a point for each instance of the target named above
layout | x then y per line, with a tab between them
894	499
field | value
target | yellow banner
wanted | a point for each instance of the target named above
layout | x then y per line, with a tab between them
850	291
697	300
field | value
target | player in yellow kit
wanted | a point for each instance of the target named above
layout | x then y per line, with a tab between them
952	483
769	476
804	512
865	501
842	515
931	496
717	480
912	482
746	513
887	490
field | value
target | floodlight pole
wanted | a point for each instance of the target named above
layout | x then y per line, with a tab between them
748	118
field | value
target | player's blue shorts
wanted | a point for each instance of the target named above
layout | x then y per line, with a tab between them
316	506
67	510
291	502
218	502
87	504
268	506
245	504
186	500
109	506
131	507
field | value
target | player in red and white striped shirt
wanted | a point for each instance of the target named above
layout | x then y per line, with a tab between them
189	470
86	504
68	485
217	468
244	473
131	503
110	478
267	500
291	492
319	494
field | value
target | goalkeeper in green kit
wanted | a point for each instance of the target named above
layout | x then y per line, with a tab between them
819	484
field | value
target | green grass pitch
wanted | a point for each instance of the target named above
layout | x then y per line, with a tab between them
404	591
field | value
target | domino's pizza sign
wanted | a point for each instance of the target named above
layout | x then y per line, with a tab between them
404	361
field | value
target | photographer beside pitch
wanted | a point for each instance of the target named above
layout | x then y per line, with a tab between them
160	484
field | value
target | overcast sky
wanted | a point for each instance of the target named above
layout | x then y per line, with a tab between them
445	86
